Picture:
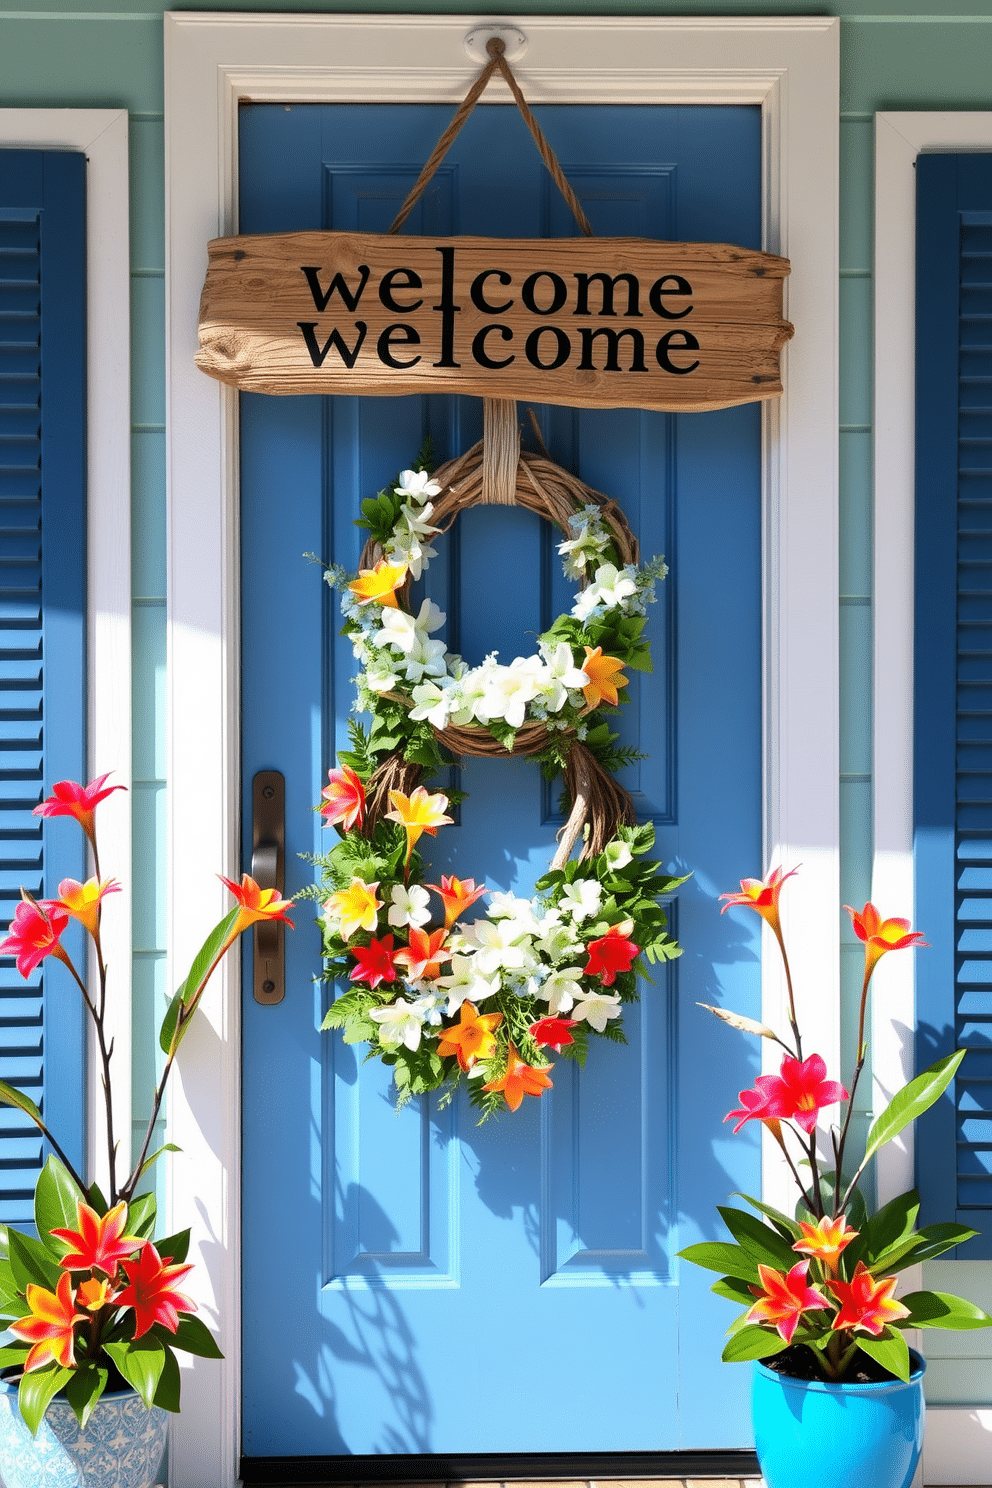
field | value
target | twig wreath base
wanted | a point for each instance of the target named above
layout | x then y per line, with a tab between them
484	1000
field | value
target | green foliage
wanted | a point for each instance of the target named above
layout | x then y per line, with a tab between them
915	1098
942	1310
84	1389
140	1361
179	1016
889	1349
752	1342
56	1196
36	1390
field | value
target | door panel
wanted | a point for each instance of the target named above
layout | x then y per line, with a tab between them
514	1287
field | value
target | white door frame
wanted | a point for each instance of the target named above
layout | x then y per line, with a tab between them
958	1443
788	66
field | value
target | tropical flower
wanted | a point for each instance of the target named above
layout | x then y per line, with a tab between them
398	1024
496	943
49	1324
783	1297
519	1080
355	908
762	896
409	906
416	484
34	933
379	585
456	894
255	904
554	1032
95	1293
596	1008
100	1243
151	1291
344	799
825	1240
376	962
760	1104
80	801
613	952
472	1037
581	899
83	900
560	987
417	813
867	1305
604	677
466	983
423	956
804	1090
881	935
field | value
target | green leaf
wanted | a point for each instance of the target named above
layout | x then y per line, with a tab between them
173	1032
733	1289
893	1222
140	1361
13	1354
36	1390
943	1310
915	1098
167	1147
11	1097
782	1222
141	1215
715	1255
97	1201
752	1342
167	1394
89	1380
196	1338
56	1199
175	1246
31	1262
890	1350
758	1239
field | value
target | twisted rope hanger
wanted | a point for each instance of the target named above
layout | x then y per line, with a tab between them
495	46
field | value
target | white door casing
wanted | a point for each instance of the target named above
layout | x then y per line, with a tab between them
788	66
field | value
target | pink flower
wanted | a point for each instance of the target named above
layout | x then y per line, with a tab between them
799	1092
344	798
759	1104
34	933
762	896
881	935
80	801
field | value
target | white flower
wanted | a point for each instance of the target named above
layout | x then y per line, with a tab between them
617	853
581	898
398	1024
430	617
396	628
518	911
407	548
586	603
433	702
465	984
425	659
509	690
410	906
498	946
416	484
614	585
557	943
560	988
416	523
561	675
380	677
428	1007
596	1008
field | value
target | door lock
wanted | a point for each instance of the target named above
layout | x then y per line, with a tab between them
268	868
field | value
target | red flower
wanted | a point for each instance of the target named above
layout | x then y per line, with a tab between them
867	1304
457	894
375	962
80	801
345	798
806	1090
34	933
783	1297
552	1031
613	952
151	1292
49	1325
99	1243
762	896
759	1104
881	935
423	956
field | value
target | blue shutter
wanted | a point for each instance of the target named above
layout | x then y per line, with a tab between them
42	633
953	690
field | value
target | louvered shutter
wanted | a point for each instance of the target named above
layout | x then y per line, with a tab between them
953	689
42	633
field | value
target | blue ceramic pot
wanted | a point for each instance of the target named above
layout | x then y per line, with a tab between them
121	1445
809	1431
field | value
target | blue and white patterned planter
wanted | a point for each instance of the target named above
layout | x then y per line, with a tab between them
121	1446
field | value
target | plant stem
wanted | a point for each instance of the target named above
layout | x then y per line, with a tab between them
105	1053
815	1170
862	1052
127	1192
777	929
58	1151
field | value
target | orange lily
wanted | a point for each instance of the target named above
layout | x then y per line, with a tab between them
881	935
49	1325
761	895
604	677
866	1304
344	798
783	1297
255	904
456	894
520	1079
83	900
825	1240
80	801
417	813
94	1294
100	1243
423	956
355	907
472	1038
379	584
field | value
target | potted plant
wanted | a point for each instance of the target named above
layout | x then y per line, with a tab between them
93	1301
837	1391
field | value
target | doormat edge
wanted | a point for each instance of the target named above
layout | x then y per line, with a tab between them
473	1467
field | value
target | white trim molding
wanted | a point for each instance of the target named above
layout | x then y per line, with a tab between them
103	135
958	1440
789	68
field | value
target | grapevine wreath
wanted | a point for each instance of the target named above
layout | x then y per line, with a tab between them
439	998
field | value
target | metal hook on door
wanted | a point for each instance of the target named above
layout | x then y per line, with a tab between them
268	858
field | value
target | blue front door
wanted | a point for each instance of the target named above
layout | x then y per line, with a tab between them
415	1283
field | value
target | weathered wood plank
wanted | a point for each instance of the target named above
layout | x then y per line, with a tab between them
585	322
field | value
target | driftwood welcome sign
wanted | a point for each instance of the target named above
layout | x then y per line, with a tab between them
586	322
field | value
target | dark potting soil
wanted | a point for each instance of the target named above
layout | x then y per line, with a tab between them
798	1363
